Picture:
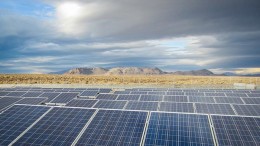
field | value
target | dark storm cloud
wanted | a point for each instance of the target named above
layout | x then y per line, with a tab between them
216	34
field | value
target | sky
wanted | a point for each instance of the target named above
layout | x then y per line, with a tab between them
42	36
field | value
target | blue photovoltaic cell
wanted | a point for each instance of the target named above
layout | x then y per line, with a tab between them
110	104
103	90
114	128
17	119
173	129
16	94
7	101
190	90
151	98
252	100
247	110
176	98
89	93
33	101
156	93
253	95
255	91
215	94
122	92
201	99
194	94
236	94
64	97
93	89
32	94
128	97
174	93
135	105
60	127
106	96
2	93
224	109
176	107
237	131
81	103
138	92
50	96
236	100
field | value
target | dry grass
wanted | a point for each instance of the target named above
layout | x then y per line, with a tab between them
124	79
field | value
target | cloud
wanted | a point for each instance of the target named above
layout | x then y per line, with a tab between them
170	34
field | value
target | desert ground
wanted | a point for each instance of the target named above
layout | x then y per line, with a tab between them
125	79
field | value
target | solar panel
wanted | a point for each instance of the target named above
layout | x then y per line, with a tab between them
190	90
106	96
241	91
81	103
33	101
236	95
64	98
60	126
176	98
17	119
135	105
228	100
89	93
253	95
128	97
92	89
18	94
224	109
252	100
215	94
151	98
138	92
103	90
174	129
201	99
4	93
176	107
255	91
122	92
7	101
115	128
237	131
50	96
174	93
194	94
32	94
110	104
64	91
247	110
156	93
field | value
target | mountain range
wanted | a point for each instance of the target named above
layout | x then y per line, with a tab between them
141	71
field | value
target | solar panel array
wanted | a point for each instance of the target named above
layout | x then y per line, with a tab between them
139	116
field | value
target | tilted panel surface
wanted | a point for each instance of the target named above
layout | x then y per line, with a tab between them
170	129
114	128
58	127
17	119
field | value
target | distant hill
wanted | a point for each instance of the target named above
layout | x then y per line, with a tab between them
116	71
88	71
203	72
142	71
134	71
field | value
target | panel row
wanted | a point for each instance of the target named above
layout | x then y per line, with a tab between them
42	125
